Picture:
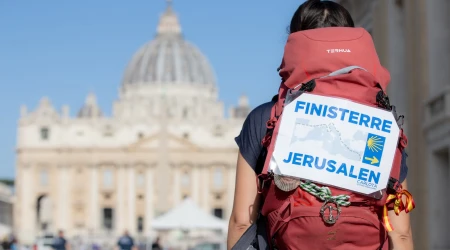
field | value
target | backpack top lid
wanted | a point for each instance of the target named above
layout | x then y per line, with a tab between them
314	53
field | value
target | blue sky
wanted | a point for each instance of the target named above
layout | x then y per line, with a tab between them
65	49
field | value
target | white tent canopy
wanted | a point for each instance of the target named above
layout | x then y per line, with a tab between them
188	216
4	230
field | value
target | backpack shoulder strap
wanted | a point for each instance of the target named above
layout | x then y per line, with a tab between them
275	98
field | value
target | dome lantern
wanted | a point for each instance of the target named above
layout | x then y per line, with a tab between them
168	23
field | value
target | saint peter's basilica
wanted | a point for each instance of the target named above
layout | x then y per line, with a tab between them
168	138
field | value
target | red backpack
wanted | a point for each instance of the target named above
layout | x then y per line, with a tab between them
306	215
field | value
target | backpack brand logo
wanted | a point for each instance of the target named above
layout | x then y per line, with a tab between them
338	51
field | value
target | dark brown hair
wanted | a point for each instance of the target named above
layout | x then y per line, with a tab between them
314	14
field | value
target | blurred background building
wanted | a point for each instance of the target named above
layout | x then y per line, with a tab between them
412	38
168	139
6	209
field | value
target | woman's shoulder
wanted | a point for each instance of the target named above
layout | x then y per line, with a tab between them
260	114
253	131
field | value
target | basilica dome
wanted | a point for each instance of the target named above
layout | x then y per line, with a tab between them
169	59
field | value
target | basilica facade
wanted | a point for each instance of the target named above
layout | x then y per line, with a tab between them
168	138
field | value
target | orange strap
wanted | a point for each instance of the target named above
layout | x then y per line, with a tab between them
398	206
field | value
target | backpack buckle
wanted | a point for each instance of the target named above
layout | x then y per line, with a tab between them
394	184
330	218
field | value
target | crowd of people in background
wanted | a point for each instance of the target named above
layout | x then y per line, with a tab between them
125	242
9	243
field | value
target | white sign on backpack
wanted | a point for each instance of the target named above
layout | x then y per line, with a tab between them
336	142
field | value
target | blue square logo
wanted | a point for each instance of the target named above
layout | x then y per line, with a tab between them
374	150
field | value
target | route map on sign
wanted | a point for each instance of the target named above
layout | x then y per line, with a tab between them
336	142
333	141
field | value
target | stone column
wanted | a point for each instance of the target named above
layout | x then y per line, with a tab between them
119	214
231	180
396	57
206	188
438	44
149	201
94	209
63	200
131	200
28	200
417	75
176	187
196	184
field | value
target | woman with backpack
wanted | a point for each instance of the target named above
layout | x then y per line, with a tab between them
326	55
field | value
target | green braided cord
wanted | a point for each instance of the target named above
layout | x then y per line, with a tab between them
324	193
